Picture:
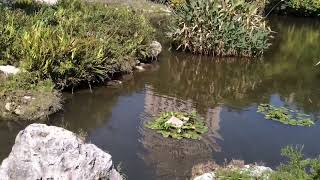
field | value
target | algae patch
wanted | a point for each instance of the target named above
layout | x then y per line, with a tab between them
285	115
179	125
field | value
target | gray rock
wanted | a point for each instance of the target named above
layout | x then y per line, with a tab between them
257	171
49	152
156	49
139	68
50	2
9	70
205	176
8	106
176	122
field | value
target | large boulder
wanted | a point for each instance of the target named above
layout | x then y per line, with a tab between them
49	152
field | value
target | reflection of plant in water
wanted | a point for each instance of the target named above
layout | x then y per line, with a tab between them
285	116
192	125
288	69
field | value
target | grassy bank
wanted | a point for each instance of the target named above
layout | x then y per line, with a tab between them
25	97
73	42
69	44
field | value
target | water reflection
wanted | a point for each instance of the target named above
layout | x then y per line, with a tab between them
171	158
223	91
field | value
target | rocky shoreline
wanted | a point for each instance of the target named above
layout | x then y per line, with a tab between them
212	171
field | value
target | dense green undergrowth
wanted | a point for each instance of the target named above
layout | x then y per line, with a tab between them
72	42
219	28
193	126
285	115
294	7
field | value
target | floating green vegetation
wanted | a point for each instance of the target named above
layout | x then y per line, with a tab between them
179	125
285	116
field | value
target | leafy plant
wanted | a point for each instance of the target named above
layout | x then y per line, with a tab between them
297	167
219	28
285	116
192	128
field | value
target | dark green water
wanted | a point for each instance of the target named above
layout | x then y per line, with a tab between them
225	91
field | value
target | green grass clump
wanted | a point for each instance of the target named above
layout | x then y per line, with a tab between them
25	82
297	168
219	28
285	116
72	42
192	128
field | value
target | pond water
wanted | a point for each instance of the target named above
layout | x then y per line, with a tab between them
225	91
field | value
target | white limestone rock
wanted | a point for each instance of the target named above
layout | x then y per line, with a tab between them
205	176
9	70
156	49
49	152
176	122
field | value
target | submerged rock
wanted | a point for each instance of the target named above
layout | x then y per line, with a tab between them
114	83
139	68
9	70
49	152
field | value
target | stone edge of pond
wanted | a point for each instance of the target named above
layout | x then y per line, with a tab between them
208	171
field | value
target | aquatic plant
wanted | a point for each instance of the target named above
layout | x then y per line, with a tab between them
285	116
193	126
74	41
219	28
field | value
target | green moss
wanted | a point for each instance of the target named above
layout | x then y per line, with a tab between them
285	116
192	128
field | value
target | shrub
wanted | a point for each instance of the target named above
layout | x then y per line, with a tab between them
295	7
308	7
297	167
219	28
74	41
